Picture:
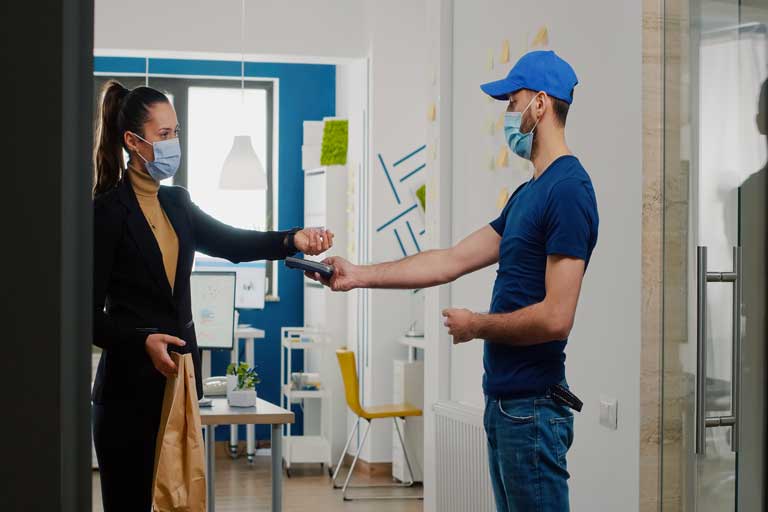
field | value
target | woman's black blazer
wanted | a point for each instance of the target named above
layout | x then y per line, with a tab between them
131	295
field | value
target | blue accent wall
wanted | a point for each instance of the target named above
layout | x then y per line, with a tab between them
306	92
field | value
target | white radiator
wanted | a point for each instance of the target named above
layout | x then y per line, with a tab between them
463	482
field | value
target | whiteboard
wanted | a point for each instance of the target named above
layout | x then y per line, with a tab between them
250	283
213	308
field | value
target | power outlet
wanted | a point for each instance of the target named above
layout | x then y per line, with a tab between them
609	413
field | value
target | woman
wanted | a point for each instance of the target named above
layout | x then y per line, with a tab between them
145	238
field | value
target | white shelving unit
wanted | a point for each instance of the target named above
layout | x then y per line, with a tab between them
313	447
326	198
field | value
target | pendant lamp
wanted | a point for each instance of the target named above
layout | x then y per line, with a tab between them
242	169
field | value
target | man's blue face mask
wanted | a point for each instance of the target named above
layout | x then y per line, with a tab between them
167	158
520	143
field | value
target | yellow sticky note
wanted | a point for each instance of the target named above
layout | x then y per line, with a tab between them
500	122
541	38
504	52
501	201
502	160
432	112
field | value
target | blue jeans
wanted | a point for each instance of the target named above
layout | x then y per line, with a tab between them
528	440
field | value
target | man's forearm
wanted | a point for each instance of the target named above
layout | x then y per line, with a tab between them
532	325
428	268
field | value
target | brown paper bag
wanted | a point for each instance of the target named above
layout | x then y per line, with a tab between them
179	479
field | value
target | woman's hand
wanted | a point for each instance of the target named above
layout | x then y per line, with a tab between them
313	241
346	276
157	349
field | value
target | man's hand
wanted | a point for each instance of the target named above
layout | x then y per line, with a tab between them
156	346
461	324
313	241
346	276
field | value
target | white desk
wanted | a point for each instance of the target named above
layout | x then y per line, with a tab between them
413	343
249	334
265	413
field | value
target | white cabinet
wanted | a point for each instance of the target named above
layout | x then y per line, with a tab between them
409	387
325	205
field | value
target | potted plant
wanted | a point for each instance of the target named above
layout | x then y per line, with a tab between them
241	385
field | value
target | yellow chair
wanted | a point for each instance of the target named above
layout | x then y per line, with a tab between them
394	411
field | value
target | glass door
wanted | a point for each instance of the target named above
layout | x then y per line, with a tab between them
714	356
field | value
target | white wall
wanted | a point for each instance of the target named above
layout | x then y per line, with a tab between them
296	28
602	40
398	123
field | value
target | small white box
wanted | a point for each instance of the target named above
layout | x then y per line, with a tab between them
313	133
310	156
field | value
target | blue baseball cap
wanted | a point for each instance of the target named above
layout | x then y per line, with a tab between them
537	71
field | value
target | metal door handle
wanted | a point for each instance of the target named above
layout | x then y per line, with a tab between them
702	278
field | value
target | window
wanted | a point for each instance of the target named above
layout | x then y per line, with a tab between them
211	112
216	115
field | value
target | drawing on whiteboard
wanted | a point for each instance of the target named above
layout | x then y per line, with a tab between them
251	279
213	308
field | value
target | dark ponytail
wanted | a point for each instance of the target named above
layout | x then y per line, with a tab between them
108	150
120	110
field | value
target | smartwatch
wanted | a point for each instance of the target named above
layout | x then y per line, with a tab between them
288	241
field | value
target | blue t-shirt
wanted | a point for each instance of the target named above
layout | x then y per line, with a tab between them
553	214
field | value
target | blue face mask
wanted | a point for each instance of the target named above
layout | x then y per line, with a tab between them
520	143
167	158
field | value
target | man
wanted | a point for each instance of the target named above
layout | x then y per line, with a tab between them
542	241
